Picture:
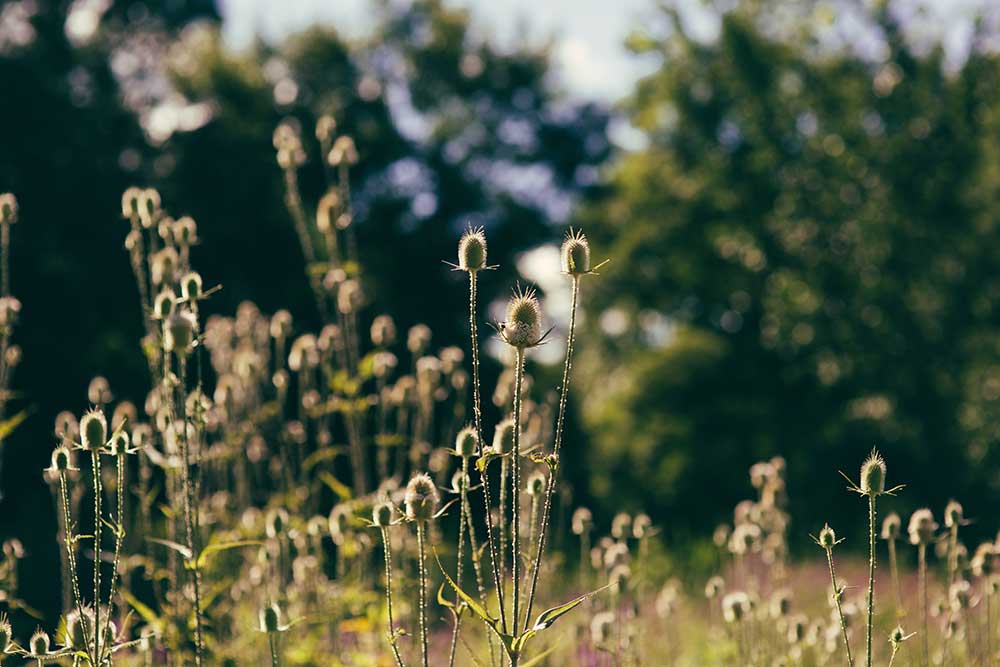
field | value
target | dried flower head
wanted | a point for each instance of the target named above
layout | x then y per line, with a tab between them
714	587
418	339
467	442
185	231
382	514
93	429
503	436
892	526
873	475
130	202
582	521
921	527
383	331
39	643
270	619
641	526
621	526
984	560
191	286
574	254
62	460
276	522
78	629
6	633
343	152
10	311
472	250
163	304
536	484
735	606
827	537
179	332
953	514
421	499
523	325
602	628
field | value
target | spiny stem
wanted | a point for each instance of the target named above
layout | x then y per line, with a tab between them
422	598
95	459
894	568
515	543
553	477
922	558
72	555
478	418
190	511
387	548
272	642
840	609
120	474
871	576
460	556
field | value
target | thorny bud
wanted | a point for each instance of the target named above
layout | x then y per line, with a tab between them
467	442
93	429
349	296
574	254
99	391
185	231
602	628
281	324
276	522
39	643
62	460
472	250
421	499
523	325
827	538
873	475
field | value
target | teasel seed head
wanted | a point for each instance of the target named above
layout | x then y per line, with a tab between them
39	643
575	254
163	304
458	482
270	619
78	629
523	325
130	202
6	633
959	594
892	527
383	331
382	514
276	522
953	514
619	577
179	332
99	391
467	442
149	207
326	125
602	628
163	266
873	475
339	523
621	526
191	286
827	537
503	436
536	484
735	606
343	152
582	521
421	499
418	339
714	587
281	324
10	312
922	527
93	429
62	460
641	526
349	296
984	560
781	604
472	250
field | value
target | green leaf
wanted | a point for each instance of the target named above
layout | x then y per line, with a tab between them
442	600
477	609
485	459
8	425
144	611
179	548
342	490
550	616
213	549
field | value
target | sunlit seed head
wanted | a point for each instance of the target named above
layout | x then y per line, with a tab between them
163	266
327	210
418	339
619	577
575	254
503	436
953	514
891	526
602	628
714	587
149	207
459	481
276	522
99	390
78	629
184	231
582	521
781	603
536	484
191	286
326	127
344	152
922	527
8	208
827	537
179	332
93	429
10	311
472	250
163	304
421	499
339	523
349	296
523	324
984	560
467	442
641	526
270	619
66	425
62	460
873	475
735	606
616	553
383	331
382	514
621	526
6	632
39	643
130	202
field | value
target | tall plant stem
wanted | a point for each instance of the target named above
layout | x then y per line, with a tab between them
871	577
553	477
987	593
422	597
95	459
190	511
922	558
840	609
460	557
515	542
272	642
119	528
71	554
478	419
894	569
387	549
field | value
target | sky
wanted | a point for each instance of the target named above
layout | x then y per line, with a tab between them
589	34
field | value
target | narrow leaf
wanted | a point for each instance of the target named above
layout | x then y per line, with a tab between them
550	616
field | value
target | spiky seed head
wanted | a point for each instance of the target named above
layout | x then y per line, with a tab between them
119	443
781	603
270	619
276	522
602	628
953	513
163	266
6	633
984	560
382	514
892	526
185	231
503	436
921	527
641	525
163	304
326	125
873	475
714	587
191	286
281	324
39	643
536	484
62	460
582	521
149	207
343	152
621	525
8	208
797	629
78	629
959	595
523	326
383	331
575	254
735	606
467	442
66	425
418	338
339	523
616	553
472	250
619	577
349	296
93	429
179	332
99	391
421	499
827	538
458	481
130	202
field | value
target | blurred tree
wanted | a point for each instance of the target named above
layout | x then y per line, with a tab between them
451	131
804	258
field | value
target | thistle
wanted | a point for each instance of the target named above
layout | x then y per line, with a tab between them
270	624
422	501
921	530
827	540
382	518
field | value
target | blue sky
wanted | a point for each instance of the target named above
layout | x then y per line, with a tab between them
589	34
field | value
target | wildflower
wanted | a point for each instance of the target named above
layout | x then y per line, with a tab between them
575	254
421	499
523	325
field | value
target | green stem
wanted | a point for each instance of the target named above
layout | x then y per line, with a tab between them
119	532
272	642
388	594
553	477
922	558
840	609
68	538
871	576
422	597
460	556
95	459
190	511
515	543
478	418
